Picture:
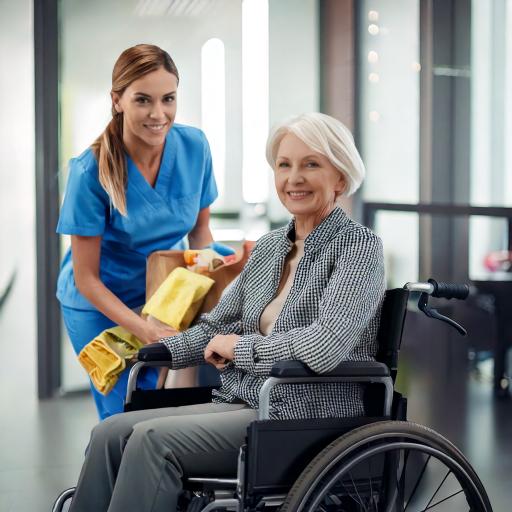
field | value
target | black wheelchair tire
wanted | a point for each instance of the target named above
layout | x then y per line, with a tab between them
313	480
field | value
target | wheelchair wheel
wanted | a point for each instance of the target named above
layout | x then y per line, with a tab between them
389	466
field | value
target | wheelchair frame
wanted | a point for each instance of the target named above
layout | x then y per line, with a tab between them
248	491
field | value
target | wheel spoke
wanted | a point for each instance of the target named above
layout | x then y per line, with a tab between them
343	477
358	499
444	499
355	487
416	485
400	481
437	490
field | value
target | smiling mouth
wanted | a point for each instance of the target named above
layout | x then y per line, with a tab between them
298	195
155	128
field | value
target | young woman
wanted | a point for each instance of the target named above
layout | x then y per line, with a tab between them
142	186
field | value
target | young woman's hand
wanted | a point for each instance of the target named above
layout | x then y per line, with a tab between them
221	350
153	333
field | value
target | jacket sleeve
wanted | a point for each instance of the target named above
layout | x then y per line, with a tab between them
352	298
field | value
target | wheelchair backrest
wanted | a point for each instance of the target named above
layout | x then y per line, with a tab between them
392	320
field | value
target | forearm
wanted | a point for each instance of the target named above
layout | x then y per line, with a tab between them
199	238
93	289
320	347
187	348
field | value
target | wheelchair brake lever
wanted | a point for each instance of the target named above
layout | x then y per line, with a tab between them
433	313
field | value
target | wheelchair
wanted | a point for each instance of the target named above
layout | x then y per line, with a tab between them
376	463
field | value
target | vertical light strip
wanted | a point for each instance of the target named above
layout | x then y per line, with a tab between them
508	105
255	99
213	106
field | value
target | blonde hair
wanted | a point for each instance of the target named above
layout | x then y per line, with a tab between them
327	136
132	64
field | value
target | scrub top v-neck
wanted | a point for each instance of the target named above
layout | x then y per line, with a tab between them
159	217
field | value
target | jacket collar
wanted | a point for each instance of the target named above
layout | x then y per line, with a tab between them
322	234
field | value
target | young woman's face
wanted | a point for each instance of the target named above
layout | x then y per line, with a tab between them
149	108
306	182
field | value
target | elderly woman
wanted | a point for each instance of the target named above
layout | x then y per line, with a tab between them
311	291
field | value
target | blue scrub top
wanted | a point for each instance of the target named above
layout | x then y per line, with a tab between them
158	218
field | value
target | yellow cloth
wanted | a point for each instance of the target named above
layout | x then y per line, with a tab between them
178	299
104	357
176	303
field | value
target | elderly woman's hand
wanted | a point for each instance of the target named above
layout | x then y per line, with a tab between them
221	350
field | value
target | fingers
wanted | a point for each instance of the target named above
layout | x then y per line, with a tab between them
215	359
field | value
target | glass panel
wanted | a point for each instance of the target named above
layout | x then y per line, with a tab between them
400	252
389	122
389	108
294	72
491	103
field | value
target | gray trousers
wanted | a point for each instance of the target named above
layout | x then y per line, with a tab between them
135	461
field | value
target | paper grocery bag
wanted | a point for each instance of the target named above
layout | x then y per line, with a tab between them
161	263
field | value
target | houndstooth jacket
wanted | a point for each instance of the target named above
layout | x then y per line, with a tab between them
331	315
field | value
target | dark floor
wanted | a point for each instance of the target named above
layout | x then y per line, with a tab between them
456	399
42	443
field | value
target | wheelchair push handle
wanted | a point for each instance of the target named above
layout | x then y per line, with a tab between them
449	290
442	291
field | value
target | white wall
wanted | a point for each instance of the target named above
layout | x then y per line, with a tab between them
17	196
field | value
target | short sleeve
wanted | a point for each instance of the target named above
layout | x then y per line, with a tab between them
85	204
209	189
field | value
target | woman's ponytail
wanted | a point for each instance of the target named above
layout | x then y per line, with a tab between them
109	151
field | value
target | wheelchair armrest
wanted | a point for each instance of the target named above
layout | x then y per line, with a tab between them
155	355
154	352
297	369
295	372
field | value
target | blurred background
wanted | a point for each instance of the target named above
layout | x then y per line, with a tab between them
426	87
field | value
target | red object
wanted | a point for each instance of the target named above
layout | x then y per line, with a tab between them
498	261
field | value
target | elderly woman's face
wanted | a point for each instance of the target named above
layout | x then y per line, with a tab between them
306	182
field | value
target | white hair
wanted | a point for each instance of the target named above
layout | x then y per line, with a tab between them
327	136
